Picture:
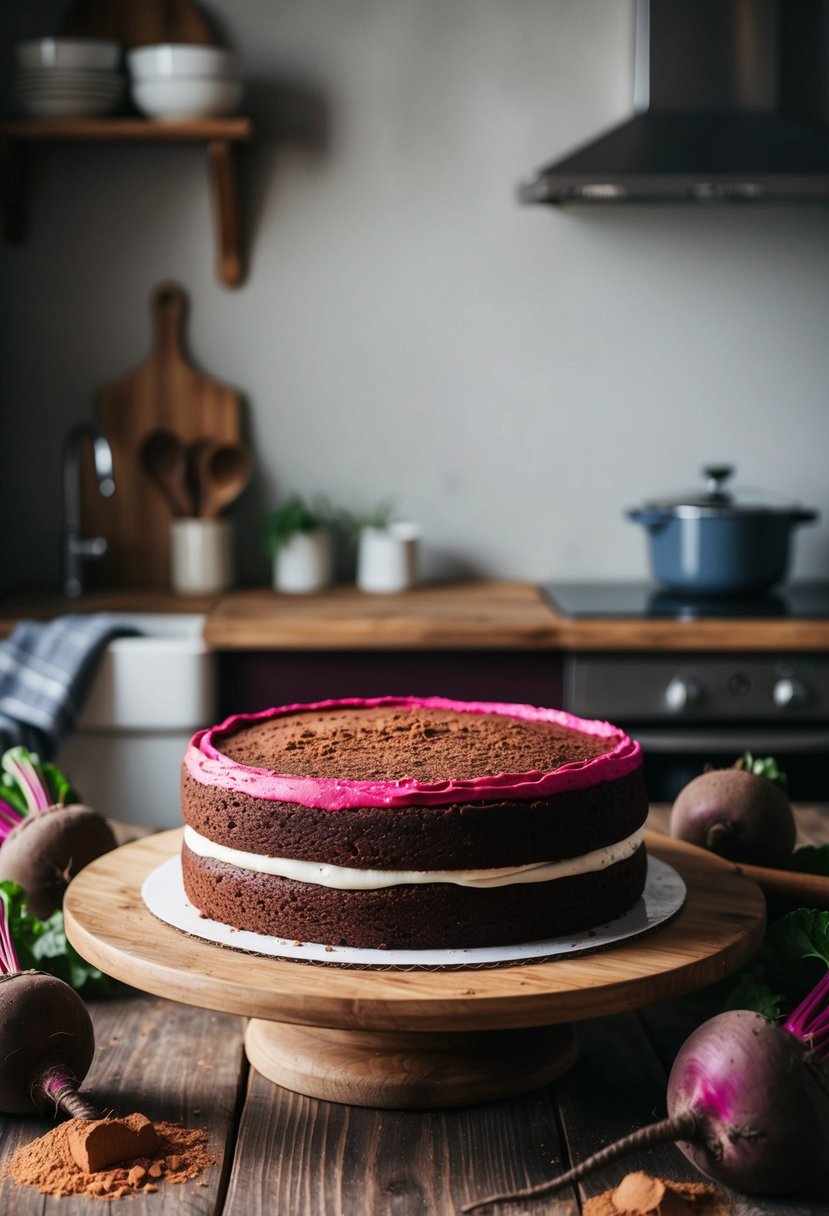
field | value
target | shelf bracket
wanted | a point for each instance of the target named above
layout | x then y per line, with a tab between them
224	188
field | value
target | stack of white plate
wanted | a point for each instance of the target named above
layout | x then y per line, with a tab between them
68	77
180	81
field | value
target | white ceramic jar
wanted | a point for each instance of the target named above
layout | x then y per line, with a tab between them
387	558
303	563
201	556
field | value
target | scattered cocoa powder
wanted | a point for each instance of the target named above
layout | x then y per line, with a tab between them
47	1163
638	1194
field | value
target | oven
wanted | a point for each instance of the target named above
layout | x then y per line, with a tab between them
692	709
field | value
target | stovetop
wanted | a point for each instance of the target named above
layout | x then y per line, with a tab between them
804	600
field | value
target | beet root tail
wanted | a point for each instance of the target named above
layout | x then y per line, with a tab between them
680	1127
55	1086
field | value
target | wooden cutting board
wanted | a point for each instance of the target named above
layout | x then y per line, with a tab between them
137	22
165	391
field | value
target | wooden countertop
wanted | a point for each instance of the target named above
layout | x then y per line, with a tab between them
476	615
277	1151
481	615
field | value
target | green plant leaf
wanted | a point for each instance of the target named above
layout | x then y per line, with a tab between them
43	945
765	766
797	950
60	787
294	516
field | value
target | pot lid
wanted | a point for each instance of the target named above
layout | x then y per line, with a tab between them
718	499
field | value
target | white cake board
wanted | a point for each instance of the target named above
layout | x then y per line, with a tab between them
664	895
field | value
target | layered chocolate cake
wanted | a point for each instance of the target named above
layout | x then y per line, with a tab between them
412	823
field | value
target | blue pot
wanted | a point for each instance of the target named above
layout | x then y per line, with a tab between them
717	543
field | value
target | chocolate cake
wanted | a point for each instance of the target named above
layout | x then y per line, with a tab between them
412	823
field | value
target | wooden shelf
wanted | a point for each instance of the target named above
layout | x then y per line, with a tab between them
218	134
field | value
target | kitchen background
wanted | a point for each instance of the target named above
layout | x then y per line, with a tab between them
515	377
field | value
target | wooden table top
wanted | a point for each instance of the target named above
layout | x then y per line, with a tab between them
281	1153
475	615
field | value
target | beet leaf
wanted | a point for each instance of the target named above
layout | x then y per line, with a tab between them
43	945
30	785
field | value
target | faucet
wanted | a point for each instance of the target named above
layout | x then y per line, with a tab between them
75	546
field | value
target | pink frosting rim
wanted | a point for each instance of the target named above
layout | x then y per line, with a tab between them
209	766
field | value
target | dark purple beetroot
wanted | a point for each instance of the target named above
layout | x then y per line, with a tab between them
46	1038
738	815
46	850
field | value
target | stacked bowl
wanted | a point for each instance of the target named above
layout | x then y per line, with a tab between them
67	77
179	81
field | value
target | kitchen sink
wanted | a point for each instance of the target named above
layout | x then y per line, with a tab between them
151	693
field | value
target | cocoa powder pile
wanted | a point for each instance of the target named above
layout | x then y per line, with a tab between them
638	1194
48	1164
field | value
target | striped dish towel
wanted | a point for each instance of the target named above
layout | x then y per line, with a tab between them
46	672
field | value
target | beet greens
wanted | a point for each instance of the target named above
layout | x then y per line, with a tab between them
748	1104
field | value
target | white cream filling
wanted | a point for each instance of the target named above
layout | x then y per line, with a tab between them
345	878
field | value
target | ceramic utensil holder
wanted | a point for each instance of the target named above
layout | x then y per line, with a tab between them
303	563
387	558
201	553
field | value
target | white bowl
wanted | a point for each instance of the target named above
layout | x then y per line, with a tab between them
168	59
95	53
186	97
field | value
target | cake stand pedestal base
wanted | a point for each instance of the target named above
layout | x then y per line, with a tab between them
395	1069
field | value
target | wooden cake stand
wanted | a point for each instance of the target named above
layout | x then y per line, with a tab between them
412	1038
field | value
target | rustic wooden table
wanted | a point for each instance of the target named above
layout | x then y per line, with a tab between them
280	1154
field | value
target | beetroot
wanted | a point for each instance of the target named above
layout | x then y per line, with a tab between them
46	1044
46	1037
737	814
748	1103
44	843
45	851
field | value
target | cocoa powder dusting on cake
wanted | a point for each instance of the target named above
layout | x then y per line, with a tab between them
47	1163
405	742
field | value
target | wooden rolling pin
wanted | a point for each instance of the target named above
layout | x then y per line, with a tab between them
811	890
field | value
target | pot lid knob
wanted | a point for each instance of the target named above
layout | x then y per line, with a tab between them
715	475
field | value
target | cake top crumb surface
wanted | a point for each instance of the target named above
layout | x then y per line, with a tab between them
384	743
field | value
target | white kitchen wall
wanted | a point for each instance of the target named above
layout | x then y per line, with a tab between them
514	377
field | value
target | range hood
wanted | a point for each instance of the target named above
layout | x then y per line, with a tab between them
730	105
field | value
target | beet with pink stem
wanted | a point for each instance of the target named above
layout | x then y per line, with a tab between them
43	843
748	1103
46	1038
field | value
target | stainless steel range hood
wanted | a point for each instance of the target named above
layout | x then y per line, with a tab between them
730	99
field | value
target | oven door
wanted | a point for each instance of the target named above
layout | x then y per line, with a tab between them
675	755
690	710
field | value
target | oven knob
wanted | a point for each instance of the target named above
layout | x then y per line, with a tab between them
789	693
682	693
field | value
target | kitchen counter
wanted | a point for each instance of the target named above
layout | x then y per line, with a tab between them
277	1151
480	615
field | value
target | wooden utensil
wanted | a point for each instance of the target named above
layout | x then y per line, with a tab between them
164	392
222	470
137	24
811	890
164	457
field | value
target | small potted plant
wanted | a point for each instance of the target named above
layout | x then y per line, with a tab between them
387	551
298	538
